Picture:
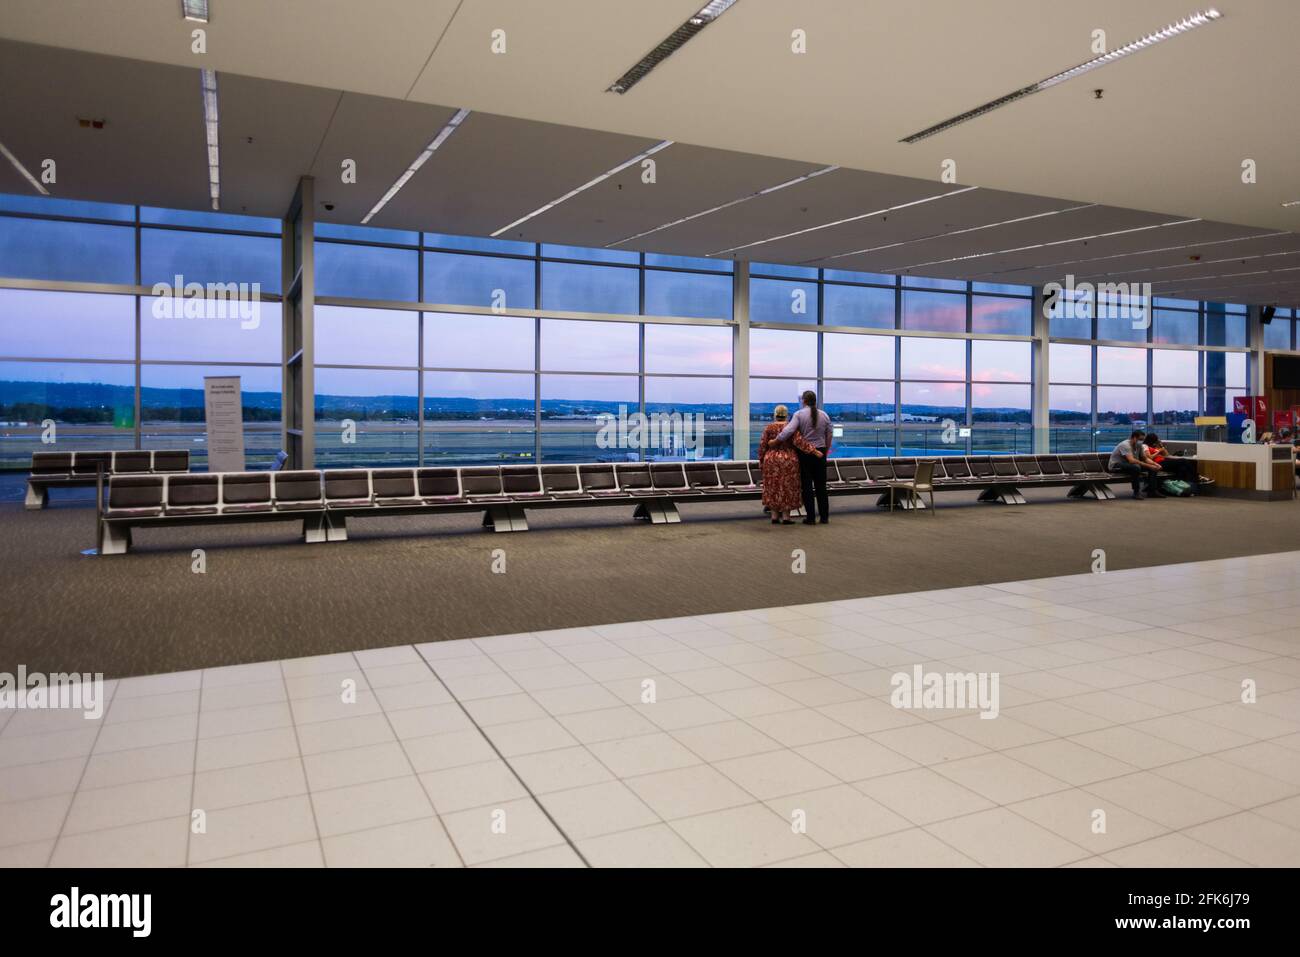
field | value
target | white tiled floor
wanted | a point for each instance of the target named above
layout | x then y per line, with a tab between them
1119	693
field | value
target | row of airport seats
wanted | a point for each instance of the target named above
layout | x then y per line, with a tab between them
324	500
80	469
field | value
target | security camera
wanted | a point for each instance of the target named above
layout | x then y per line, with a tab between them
329	207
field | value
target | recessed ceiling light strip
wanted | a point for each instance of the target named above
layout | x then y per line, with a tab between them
1021	249
735	202
212	131
955	232
587	185
670	45
1160	249
841	222
1199	19
437	141
26	173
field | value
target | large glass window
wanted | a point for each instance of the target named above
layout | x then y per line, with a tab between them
866	306
846	356
67	325
933	312
781	300
374	337
687	349
66	251
172	410
782	352
687	294
366	417
576	345
573	411
488	281
927	358
367	272
204	258
479	418
479	342
573	287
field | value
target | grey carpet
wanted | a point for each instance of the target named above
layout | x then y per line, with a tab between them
426	578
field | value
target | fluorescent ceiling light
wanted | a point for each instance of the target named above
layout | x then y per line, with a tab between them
587	185
735	202
211	126
841	222
419	161
4	150
1172	30
667	47
955	232
196	10
1294	202
1056	242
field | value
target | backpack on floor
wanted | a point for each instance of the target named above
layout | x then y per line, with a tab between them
1176	487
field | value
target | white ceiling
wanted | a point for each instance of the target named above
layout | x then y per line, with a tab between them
1164	145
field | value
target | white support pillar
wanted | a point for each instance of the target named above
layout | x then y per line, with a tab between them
1255	339
298	282
740	362
1040	413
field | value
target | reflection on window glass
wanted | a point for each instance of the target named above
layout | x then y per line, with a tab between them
476	418
210	330
70	325
1118	327
865	306
189	217
367	272
1002	289
49	206
872	278
75	252
479	342
779	269
995	361
699	349
587	254
1223	327
688	262
377	337
457	280
922	282
857	357
478	244
1235	366
1277	334
687	294
782	352
367	234
781	300
1069	314
924	358
1006	317
576	345
208	258
1176	328
1119	366
933	312
576	288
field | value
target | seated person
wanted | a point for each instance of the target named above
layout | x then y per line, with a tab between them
1179	468
1129	458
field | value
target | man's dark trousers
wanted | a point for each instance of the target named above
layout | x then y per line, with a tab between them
812	482
1136	473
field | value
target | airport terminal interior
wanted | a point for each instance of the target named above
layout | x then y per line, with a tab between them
478	433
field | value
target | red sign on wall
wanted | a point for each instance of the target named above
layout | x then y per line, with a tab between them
1256	406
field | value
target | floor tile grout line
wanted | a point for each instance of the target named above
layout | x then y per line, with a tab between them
194	776
72	799
493	745
406	756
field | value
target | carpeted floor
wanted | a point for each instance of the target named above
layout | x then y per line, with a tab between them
266	596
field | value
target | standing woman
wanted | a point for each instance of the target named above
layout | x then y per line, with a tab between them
814	426
780	467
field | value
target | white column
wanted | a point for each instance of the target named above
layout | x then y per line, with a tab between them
1040	414
740	362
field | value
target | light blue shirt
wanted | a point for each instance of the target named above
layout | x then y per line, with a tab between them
817	434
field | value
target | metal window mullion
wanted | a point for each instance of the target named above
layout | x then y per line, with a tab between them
419	362
537	354
137	410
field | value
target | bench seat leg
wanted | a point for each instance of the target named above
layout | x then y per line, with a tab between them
658	512
336	529
116	539
1002	495
38	496
1093	490
314	529
505	518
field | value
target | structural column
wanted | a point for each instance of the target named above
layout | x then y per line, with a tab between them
1040	413
740	362
1255	339
298	280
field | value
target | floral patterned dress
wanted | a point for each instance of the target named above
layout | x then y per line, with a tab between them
780	464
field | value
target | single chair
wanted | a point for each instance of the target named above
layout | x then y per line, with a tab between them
921	483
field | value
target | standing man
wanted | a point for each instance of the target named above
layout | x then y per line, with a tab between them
1130	458
815	427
